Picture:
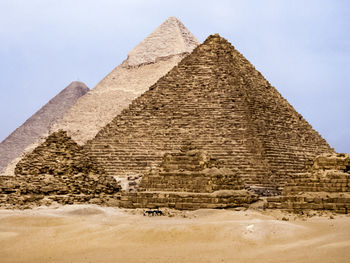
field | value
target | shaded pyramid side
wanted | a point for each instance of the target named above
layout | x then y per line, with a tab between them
216	100
148	62
39	124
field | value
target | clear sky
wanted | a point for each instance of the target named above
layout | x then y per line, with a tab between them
302	48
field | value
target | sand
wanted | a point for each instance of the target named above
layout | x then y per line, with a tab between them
95	234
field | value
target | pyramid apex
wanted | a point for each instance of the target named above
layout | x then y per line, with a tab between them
216	37
76	86
172	18
169	39
215	42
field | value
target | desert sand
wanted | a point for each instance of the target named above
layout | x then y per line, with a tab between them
88	233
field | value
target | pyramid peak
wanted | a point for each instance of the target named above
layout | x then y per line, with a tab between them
78	84
216	38
169	39
173	18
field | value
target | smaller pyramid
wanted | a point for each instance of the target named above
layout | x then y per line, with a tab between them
60	171
189	179
39	124
325	186
58	155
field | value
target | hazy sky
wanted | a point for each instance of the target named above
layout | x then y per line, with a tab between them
301	47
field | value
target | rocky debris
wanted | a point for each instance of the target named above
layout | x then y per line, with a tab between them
325	186
217	101
336	162
38	125
57	171
188	180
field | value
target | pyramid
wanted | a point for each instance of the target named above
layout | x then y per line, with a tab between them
38	125
218	102
324	186
58	170
149	61
146	63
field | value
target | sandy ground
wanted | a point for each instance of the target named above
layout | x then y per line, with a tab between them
95	234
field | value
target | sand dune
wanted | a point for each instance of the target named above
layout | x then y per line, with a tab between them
95	234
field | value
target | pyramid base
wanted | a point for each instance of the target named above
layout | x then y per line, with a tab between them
188	200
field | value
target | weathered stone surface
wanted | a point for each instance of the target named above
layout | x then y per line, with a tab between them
325	186
217	101
39	124
58	170
189	180
58	155
169	39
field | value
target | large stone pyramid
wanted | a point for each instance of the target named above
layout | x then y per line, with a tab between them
39	124
146	63
218	102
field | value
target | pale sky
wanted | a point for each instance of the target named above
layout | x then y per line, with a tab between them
301	47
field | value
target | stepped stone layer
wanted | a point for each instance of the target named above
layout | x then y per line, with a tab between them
146	63
58	170
189	180
217	101
325	186
39	124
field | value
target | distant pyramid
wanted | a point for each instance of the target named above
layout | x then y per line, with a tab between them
39	124
218	102
149	61
146	63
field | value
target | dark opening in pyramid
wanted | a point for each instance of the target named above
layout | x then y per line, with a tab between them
217	101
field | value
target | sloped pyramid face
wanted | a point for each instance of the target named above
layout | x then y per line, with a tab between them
217	101
149	61
169	39
39	124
